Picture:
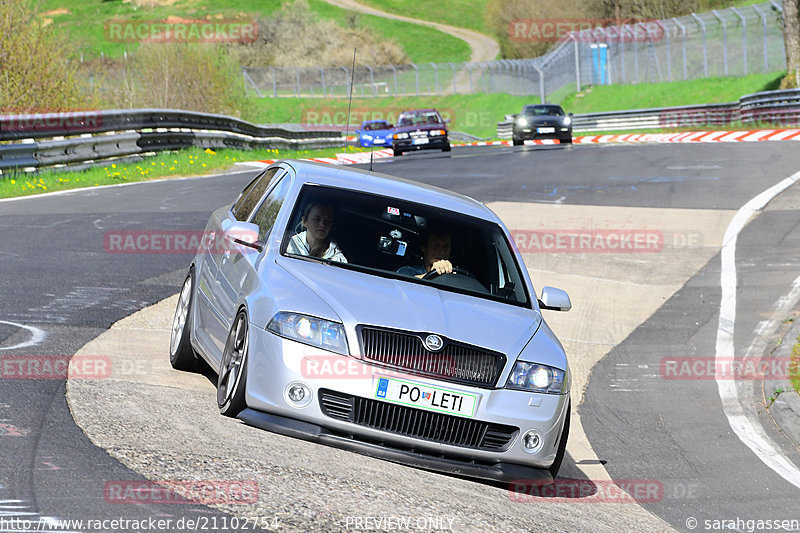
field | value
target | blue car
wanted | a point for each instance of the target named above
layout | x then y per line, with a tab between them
375	132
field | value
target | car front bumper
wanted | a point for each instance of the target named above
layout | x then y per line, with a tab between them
433	143
275	363
531	133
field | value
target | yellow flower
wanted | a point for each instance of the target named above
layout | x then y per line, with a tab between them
204	164
13	182
210	151
113	165
172	168
174	160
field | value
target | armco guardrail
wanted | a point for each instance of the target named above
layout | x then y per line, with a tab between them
92	137
776	107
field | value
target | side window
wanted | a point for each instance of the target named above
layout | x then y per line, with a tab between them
268	210
251	194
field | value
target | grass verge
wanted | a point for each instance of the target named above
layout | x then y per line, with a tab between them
189	162
459	13
646	95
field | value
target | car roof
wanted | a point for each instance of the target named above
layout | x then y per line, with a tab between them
391	186
427	110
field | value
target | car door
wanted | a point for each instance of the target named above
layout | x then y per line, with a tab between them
238	262
212	326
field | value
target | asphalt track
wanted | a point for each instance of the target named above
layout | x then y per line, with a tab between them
60	279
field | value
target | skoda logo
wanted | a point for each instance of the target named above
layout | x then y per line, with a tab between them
433	343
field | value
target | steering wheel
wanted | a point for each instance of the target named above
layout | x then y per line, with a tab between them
463	271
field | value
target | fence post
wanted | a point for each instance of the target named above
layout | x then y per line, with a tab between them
724	40
247	78
322	77
468	66
683	34
372	80
435	78
274	82
669	50
346	81
416	72
635	51
455	82
744	37
297	82
541	83
623	79
394	73
577	62
705	46
764	24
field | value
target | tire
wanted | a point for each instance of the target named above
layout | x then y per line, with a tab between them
447	148
397	153
181	354
568	140
517	142
232	379
562	445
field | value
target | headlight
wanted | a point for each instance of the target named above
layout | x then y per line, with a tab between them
536	378
366	137
434	133
401	135
567	121
522	121
310	330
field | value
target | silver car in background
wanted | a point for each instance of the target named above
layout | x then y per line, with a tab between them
455	372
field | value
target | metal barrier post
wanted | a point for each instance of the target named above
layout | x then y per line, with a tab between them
435	78
455	81
577	62
416	71
669	52
744	37
274	82
322	77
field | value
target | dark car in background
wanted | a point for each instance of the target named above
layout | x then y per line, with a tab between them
420	129
542	121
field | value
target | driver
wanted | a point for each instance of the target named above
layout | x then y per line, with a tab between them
436	246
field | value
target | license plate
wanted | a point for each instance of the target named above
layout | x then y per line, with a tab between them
420	141
545	130
426	397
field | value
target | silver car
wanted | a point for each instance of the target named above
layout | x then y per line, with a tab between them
313	299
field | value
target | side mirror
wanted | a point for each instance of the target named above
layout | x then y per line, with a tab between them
390	126
570	114
244	234
555	299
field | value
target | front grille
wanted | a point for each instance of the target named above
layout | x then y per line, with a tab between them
455	362
416	423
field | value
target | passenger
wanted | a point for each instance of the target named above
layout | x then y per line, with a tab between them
436	246
318	219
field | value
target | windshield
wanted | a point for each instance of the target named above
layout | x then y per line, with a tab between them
418	118
373	126
539	110
387	237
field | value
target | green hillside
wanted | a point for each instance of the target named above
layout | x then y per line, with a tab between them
85	22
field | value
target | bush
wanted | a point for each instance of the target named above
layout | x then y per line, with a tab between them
177	76
35	75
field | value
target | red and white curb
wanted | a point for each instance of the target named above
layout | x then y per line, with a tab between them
684	137
694	136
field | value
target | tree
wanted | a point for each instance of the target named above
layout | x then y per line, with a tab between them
35	75
791	40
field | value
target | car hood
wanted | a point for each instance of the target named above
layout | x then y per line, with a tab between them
359	298
420	127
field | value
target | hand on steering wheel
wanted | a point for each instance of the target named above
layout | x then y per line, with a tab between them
463	271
